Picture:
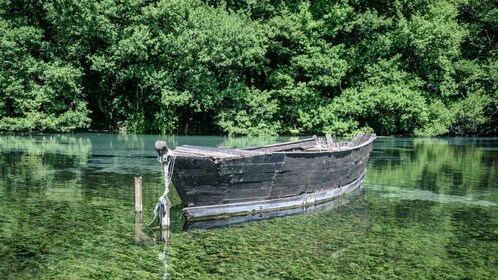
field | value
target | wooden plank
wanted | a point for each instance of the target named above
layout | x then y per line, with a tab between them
289	178
207	194
201	199
323	186
186	152
362	138
287	190
254	207
249	190
215	150
330	142
343	168
251	185
300	144
202	180
252	177
186	198
248	194
307	162
208	189
342	154
321	169
196	164
257	164
243	198
341	144
264	158
251	168
317	178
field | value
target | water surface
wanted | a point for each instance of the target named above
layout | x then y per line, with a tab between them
429	210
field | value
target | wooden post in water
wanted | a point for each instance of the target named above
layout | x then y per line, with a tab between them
164	221
138	194
138	210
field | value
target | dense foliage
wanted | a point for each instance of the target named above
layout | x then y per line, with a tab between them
250	67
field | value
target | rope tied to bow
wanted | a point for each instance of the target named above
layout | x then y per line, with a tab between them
168	162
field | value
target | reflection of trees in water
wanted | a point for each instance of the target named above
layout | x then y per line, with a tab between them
440	192
32	162
47	144
56	212
38	202
432	164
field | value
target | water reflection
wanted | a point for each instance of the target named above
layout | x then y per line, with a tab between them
66	212
444	192
35	162
419	194
443	166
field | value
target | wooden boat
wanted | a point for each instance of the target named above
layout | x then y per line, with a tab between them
216	183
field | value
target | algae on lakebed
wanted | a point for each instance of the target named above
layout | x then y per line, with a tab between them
368	238
443	225
66	212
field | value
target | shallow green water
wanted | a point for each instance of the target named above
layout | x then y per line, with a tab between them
429	210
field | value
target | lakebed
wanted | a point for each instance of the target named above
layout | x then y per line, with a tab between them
428	209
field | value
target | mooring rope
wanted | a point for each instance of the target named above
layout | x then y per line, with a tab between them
156	213
168	171
168	174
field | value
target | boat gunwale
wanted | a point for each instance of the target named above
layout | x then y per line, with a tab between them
254	152
335	149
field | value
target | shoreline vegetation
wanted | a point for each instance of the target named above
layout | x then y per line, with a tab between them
411	68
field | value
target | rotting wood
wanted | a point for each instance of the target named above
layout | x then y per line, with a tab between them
138	195
330	143
300	144
245	208
358	139
161	148
227	151
164	222
251	168
210	176
139	235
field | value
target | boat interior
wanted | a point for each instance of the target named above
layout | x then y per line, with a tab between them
313	144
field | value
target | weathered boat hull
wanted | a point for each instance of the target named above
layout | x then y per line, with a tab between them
220	183
303	200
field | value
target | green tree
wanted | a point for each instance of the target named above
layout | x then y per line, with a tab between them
38	92
250	67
